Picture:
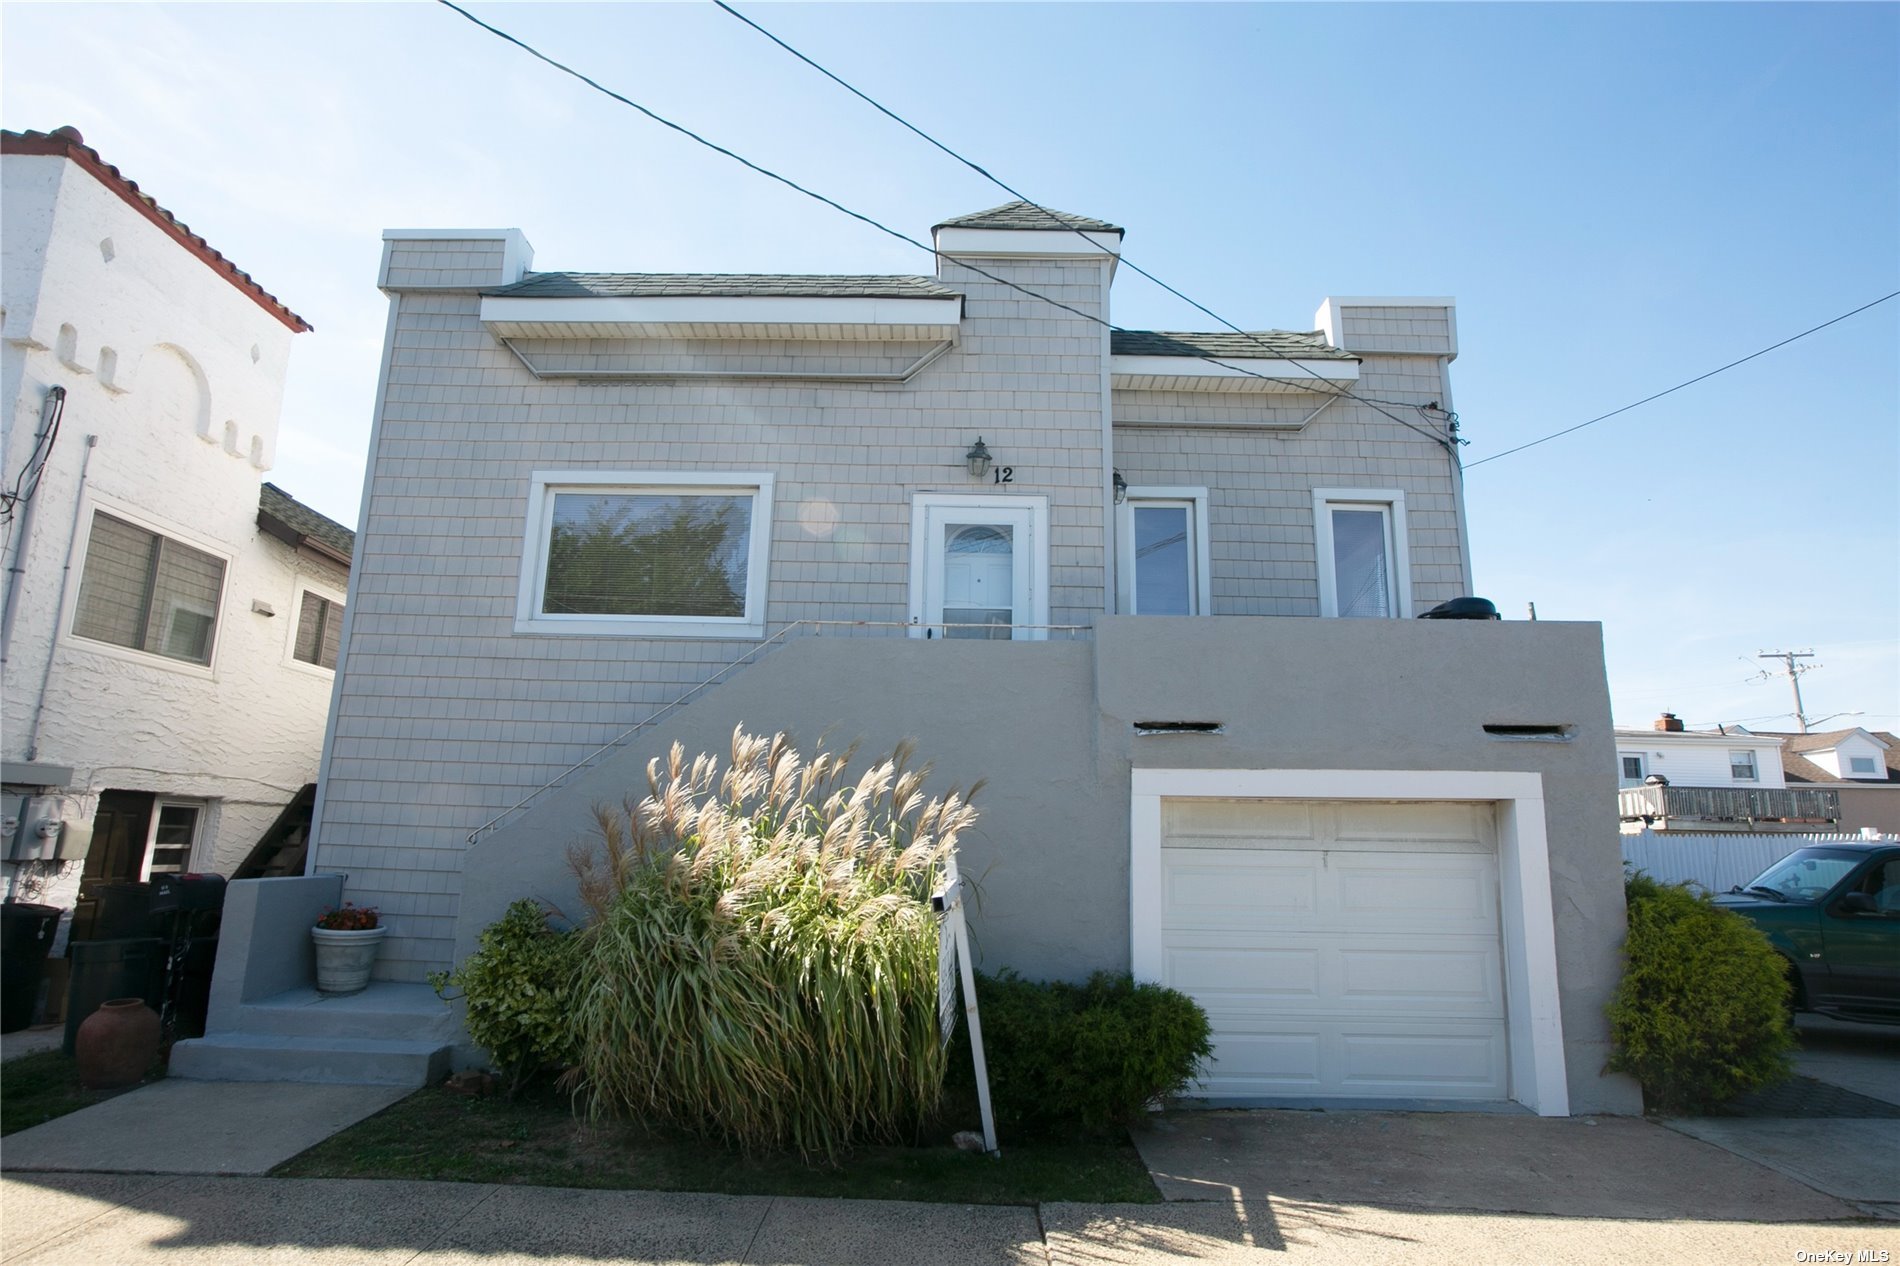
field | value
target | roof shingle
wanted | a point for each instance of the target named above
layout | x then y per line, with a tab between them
721	285
1028	215
1256	345
293	522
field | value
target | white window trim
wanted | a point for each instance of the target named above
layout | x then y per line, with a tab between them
1125	543
1036	553
198	833
303	586
1873	769
92	503
529	618
1533	1015
1393	501
1754	764
1641	758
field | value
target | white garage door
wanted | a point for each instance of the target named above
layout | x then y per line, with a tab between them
1342	949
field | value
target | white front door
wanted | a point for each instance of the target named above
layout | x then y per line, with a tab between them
979	567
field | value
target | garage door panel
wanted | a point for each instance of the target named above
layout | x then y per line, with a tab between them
1239	891
1442	1065
1464	827
1418	891
1283	1063
1469	981
1250	821
1369	968
1211	974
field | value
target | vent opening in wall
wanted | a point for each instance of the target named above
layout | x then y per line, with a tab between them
1532	733
1178	727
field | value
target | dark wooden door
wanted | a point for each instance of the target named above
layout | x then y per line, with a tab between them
120	829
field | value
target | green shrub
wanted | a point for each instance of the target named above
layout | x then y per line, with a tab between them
1093	1054
519	988
1702	1012
762	965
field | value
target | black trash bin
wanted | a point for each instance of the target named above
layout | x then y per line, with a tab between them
26	933
103	970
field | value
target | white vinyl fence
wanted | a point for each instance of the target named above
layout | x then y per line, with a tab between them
1716	862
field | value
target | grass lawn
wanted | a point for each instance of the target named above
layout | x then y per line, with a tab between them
36	1088
538	1140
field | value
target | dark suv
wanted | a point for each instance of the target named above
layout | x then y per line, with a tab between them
1833	911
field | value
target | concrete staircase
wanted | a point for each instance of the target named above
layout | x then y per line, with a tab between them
388	1035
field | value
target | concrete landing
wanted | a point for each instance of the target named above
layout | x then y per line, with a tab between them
195	1127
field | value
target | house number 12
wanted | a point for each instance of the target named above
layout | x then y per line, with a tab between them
1004	474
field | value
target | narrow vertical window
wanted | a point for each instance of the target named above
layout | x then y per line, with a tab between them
319	630
1162	548
1363	560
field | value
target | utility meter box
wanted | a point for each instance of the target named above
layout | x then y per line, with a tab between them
42	830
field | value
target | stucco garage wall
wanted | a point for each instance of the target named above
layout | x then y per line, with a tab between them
1404	695
1050	727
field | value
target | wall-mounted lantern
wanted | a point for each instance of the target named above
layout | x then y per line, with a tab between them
1121	488
977	460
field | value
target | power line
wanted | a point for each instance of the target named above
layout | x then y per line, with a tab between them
1063	222
1690	383
901	236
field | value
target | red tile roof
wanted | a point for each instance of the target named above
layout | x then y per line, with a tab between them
66	142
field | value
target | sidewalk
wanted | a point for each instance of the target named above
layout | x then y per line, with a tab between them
123	1220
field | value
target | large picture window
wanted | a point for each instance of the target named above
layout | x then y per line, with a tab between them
1365	566
655	553
148	592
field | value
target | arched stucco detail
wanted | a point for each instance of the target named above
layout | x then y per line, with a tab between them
177	394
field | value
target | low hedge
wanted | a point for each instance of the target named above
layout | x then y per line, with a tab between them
520	987
1093	1054
1702	1012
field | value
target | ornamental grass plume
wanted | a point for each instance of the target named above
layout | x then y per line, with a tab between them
761	965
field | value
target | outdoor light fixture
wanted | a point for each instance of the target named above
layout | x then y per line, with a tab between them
1121	488
977	460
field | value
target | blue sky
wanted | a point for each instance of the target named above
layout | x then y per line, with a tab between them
1620	197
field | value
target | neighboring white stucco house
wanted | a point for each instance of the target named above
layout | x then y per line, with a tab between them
1725	779
171	622
1104	570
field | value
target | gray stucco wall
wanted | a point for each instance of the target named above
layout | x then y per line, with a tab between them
1050	728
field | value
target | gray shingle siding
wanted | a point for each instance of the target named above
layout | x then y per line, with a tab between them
446	715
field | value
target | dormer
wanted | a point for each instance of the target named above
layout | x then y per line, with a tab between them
1851	754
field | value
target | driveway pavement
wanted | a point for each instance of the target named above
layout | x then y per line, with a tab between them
1255	1187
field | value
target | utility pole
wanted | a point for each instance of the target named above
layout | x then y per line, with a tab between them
1794	671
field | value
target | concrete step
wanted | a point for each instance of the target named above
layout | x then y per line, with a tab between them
387	1010
331	1060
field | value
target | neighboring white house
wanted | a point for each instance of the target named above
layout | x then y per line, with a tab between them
171	622
1103	570
1860	767
1725	779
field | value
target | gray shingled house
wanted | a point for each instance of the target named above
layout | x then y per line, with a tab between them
1157	588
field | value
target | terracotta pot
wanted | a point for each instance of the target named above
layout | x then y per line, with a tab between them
344	959
116	1044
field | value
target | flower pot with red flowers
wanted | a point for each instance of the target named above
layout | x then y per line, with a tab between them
347	939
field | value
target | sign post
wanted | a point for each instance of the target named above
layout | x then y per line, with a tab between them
953	969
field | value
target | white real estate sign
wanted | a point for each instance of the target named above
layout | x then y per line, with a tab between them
954	968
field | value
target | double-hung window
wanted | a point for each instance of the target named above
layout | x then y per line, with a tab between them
1364	562
652	553
147	592
1741	766
1161	536
1634	767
